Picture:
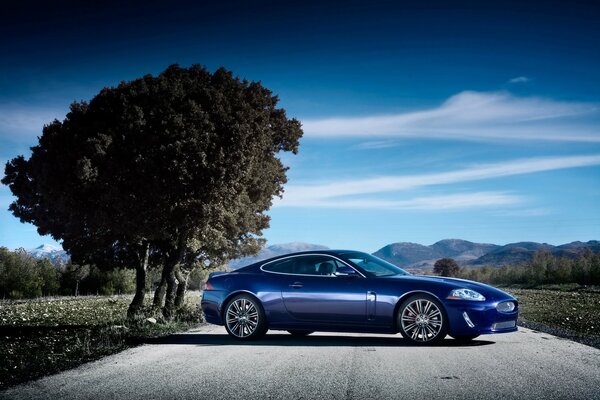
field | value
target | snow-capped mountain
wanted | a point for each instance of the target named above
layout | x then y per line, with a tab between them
54	253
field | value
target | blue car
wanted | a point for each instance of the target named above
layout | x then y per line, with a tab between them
351	291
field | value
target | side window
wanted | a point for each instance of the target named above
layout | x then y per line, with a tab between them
285	266
320	265
316	265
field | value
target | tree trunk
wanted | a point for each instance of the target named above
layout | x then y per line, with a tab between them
169	308
182	278
169	274
140	285
159	294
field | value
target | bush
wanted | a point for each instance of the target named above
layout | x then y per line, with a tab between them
23	276
85	280
543	269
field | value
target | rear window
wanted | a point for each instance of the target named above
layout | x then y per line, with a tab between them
284	266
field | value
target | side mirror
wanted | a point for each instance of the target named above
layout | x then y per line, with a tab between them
345	271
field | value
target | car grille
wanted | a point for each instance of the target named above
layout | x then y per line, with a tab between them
503	325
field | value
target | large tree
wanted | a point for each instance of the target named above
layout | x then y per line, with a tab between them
176	166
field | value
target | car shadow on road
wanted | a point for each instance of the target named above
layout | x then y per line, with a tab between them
278	339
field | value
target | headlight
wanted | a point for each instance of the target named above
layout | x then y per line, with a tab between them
465	294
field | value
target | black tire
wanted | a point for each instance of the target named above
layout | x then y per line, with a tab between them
244	318
422	320
300	333
464	339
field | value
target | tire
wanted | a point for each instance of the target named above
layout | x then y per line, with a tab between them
244	318
422	320
464	339
299	333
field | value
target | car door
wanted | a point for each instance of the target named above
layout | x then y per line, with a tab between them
314	293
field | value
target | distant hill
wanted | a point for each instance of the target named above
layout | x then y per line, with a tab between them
55	254
273	251
417	257
522	252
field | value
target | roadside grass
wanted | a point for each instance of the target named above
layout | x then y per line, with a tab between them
44	336
570	311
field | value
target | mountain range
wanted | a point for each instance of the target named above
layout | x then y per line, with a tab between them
417	257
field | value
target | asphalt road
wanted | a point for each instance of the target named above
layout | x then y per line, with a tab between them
206	364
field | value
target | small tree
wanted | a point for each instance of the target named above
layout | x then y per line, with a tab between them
446	267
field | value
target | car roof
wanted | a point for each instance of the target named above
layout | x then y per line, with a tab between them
329	252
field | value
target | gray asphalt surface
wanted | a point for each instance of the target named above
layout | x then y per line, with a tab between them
206	364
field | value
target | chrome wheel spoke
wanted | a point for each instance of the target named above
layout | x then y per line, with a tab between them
412	311
410	327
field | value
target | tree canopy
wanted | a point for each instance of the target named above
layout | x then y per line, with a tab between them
179	165
446	267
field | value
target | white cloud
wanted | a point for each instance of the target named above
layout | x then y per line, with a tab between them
519	79
310	195
472	116
440	202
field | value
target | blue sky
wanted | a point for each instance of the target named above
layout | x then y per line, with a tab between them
422	122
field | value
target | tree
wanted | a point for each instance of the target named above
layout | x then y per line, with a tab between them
168	167
446	267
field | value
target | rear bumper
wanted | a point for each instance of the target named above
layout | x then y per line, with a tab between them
468	318
211	306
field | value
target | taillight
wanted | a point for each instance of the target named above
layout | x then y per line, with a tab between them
207	286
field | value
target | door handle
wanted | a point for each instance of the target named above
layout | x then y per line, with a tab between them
296	285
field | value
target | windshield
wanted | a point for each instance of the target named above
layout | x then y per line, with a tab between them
372	265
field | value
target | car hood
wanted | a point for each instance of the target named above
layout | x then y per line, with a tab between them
490	292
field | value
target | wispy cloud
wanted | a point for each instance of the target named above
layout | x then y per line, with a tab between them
314	195
519	79
432	203
473	116
18	121
524	212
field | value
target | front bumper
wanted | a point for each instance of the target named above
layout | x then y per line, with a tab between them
468	318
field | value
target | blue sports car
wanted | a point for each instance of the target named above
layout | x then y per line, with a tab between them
351	291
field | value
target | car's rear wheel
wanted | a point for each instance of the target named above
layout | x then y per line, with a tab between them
300	333
245	318
465	339
422	320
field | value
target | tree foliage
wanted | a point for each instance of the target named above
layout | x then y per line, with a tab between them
23	276
160	169
446	267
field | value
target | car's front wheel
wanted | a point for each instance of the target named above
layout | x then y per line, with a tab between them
421	319
245	318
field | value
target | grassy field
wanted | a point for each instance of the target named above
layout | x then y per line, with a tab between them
569	311
44	336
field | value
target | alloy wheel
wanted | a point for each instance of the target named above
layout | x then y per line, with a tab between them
242	317
422	320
